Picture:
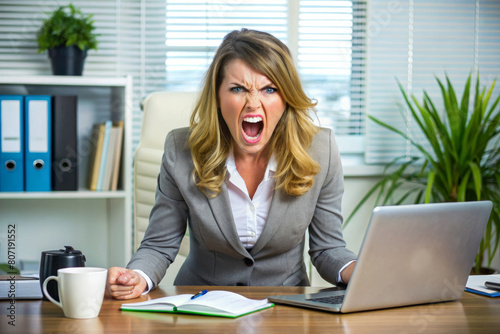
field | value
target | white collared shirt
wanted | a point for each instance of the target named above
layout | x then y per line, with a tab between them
250	214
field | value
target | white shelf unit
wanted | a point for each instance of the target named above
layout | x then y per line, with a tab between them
97	223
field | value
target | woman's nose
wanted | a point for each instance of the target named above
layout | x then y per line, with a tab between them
253	100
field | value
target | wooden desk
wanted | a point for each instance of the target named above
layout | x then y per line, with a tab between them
471	314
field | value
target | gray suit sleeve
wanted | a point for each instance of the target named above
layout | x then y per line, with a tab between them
327	247
167	222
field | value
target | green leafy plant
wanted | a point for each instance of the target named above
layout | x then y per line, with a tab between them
67	26
460	160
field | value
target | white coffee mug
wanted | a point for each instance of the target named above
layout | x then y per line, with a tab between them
81	291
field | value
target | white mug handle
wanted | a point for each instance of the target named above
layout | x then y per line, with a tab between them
46	293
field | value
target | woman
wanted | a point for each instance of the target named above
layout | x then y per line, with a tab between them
250	175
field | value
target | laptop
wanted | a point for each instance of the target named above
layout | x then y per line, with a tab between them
411	254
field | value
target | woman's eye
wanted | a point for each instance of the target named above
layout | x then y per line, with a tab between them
236	89
270	90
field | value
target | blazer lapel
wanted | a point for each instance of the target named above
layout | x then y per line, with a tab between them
221	209
277	210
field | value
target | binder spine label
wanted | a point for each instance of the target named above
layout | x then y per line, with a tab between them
38	143
38	125
11	126
11	143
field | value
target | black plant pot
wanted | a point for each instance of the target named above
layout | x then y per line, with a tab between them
67	60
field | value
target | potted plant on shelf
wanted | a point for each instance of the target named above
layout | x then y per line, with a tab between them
459	161
67	35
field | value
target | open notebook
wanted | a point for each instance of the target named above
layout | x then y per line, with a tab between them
212	303
411	254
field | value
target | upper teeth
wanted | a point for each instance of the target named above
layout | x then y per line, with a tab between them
255	119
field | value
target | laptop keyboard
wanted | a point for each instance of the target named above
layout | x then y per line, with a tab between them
328	300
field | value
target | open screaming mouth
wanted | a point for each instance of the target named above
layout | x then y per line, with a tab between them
252	127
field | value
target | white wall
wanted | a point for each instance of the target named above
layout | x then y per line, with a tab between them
37	231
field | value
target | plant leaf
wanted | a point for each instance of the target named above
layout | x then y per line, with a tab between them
462	188
476	176
428	190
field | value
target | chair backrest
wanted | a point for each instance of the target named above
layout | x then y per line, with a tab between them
162	112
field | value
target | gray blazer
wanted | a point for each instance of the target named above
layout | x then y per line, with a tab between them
216	255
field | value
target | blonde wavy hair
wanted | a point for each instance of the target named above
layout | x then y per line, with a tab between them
210	139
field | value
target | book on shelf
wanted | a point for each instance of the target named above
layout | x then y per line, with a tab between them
108	166
104	155
212	303
118	131
107	139
95	161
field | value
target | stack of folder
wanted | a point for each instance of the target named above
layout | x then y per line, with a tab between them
38	148
104	166
32	145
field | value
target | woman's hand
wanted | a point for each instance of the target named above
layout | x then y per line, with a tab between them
124	283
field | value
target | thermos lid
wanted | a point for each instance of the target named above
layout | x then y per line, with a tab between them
68	251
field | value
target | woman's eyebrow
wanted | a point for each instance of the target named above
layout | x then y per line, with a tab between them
243	85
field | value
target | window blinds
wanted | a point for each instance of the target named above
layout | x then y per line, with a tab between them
331	60
414	42
195	28
326	37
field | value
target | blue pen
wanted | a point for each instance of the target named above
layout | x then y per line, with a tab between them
199	294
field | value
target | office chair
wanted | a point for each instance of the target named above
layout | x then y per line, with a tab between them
162	112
